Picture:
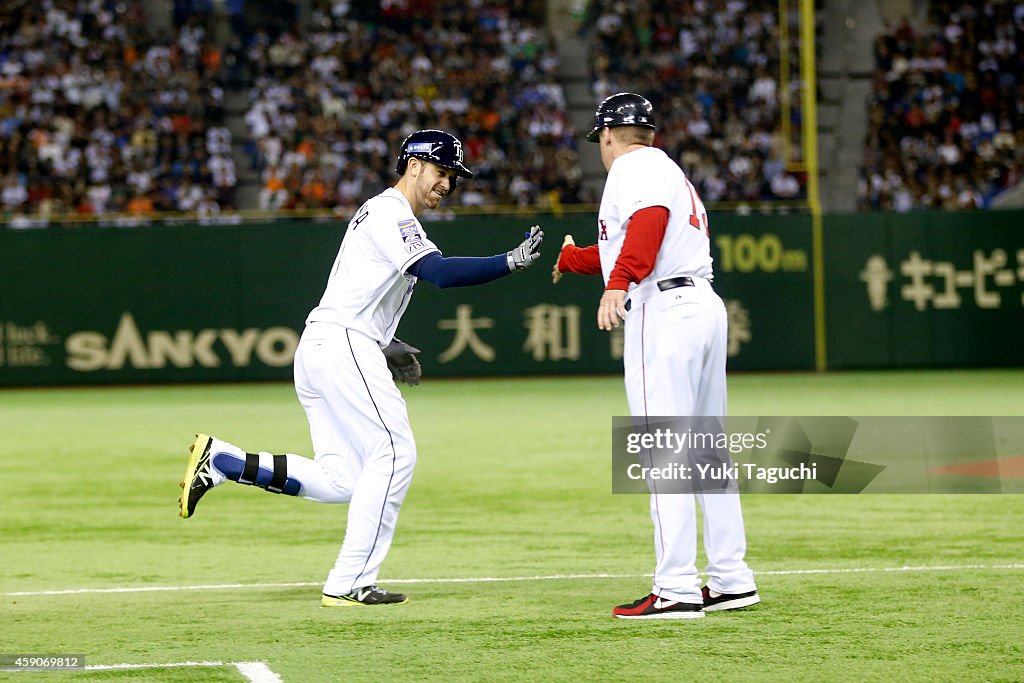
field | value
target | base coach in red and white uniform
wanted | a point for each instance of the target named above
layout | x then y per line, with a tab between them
653	249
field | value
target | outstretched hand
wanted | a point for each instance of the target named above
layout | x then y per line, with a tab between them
556	274
528	250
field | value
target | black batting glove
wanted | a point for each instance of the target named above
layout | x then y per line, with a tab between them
401	360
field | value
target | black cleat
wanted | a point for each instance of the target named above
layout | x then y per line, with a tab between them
198	479
726	601
368	595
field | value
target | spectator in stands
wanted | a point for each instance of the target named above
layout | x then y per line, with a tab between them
141	204
14	193
274	193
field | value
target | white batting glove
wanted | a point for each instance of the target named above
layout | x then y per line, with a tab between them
527	252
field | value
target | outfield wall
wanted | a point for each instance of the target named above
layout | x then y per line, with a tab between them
189	302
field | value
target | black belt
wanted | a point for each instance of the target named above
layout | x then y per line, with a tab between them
670	283
673	282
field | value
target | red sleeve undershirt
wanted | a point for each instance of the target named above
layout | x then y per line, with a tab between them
580	260
644	235
639	250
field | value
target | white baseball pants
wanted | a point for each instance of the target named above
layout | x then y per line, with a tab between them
362	441
675	351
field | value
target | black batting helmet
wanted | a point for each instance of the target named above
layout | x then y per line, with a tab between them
437	147
622	109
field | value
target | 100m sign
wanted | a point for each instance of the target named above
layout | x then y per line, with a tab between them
745	253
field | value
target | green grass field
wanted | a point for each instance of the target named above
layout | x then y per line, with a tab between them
512	483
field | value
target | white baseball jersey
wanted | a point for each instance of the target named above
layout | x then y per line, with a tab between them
674	358
645	178
368	289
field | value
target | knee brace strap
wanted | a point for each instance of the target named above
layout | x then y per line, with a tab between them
251	469
280	476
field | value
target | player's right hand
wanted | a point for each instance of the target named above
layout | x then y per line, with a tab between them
556	274
402	362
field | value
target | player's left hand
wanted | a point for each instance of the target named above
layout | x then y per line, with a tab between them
611	309
402	363
527	252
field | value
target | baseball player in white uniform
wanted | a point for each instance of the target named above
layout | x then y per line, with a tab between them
654	253
346	366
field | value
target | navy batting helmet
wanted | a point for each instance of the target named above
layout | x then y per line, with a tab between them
622	109
437	147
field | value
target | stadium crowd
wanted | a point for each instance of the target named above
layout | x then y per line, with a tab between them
710	68
946	115
97	118
330	104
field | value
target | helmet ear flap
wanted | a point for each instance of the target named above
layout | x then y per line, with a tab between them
403	163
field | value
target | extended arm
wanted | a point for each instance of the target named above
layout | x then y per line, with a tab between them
573	259
459	271
464	271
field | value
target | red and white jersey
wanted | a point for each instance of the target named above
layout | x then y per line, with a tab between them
644	178
368	289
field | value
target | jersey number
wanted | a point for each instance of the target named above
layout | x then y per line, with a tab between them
701	221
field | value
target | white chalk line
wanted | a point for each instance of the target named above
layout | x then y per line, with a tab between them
255	672
504	579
